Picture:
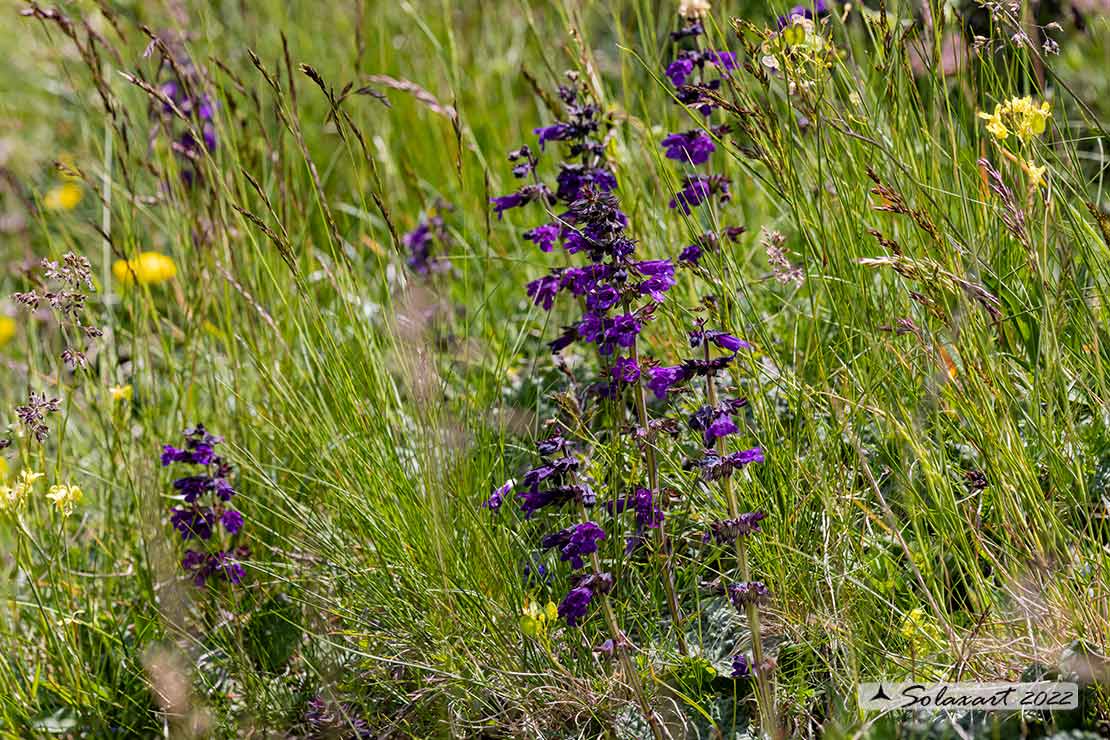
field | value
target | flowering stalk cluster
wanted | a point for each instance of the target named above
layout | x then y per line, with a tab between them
421	241
189	116
205	498
63	289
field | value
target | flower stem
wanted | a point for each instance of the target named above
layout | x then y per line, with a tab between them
653	483
618	644
764	695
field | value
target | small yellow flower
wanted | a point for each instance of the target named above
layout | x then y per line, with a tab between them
3	469
65	497
7	329
995	125
534	621
14	496
121	392
1035	173
1020	116
64	197
149	268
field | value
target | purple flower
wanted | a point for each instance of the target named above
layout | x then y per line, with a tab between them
697	189
419	242
692	146
574	542
522	197
493	503
660	278
192	487
619	331
748	593
543	290
662	378
544	236
741	668
193	522
690	255
714	465
625	370
534	499
171	454
232	521
574	605
721	339
730	530
680	69
723	59
583	589
554	132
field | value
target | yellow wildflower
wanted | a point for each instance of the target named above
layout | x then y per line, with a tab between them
64	197
534	621
995	125
14	496
1035	173
149	268
3	469
7	329
121	392
65	497
1020	116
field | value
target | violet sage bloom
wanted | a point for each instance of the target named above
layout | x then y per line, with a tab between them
697	189
748	593
574	542
493	503
691	146
713	465
204	496
583	589
741	666
729	530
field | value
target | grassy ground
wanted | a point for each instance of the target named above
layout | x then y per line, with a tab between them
929	386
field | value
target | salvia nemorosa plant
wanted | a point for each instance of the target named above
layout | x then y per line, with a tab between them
204	508
715	422
185	114
616	294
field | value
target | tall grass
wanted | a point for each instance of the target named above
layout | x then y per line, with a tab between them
929	395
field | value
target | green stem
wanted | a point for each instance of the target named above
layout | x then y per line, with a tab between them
618	643
764	695
653	482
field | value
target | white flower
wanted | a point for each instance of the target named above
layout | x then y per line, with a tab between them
693	10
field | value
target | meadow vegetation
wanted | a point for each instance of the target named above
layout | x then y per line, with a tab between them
551	369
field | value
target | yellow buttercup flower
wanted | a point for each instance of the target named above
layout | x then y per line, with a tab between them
7	329
149	268
121	392
64	197
65	497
